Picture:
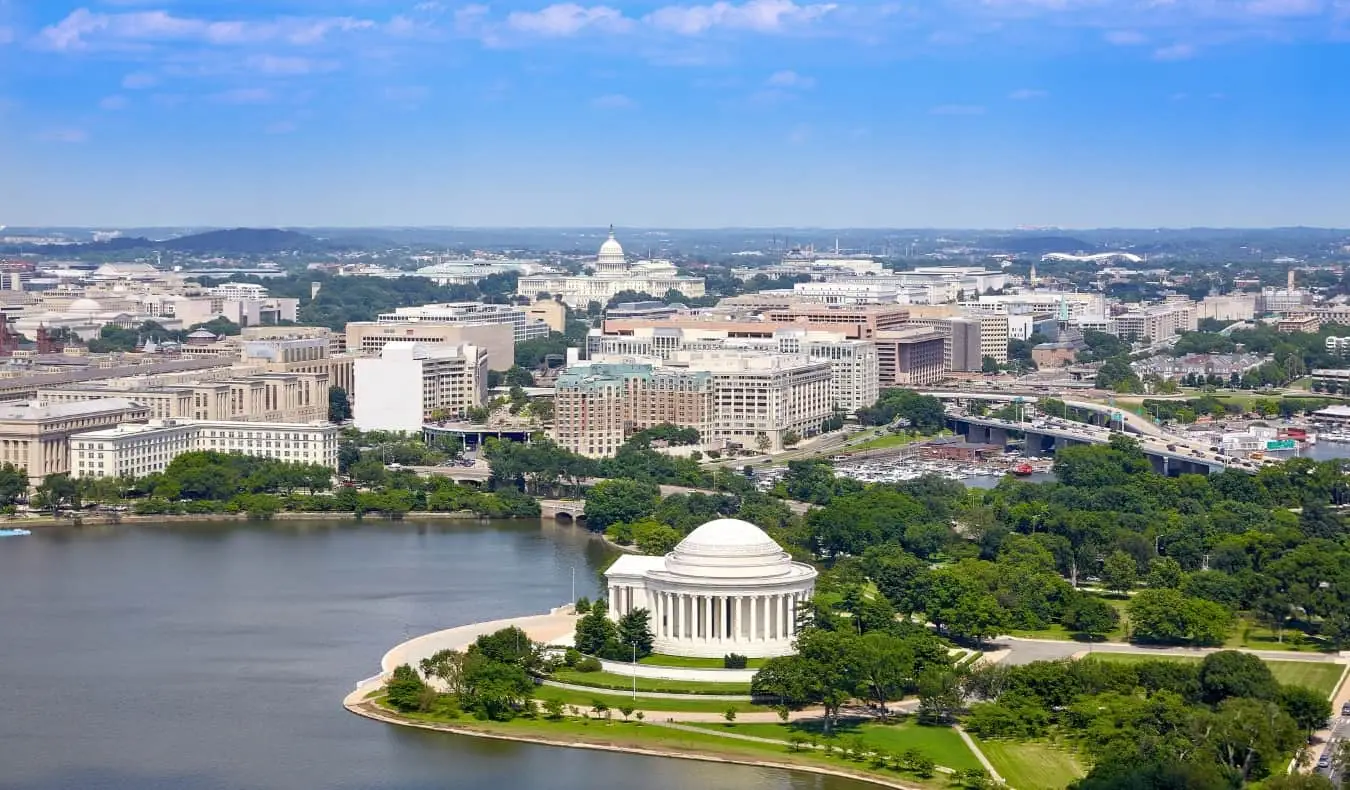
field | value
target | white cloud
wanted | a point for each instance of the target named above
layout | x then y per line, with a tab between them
760	16
1284	7
957	109
113	102
139	80
790	79
1125	38
613	101
85	29
1027	94
568	19
1174	52
67	135
244	96
288	65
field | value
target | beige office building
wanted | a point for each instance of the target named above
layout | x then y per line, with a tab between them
140	450
263	397
498	340
912	357
598	405
36	436
409	384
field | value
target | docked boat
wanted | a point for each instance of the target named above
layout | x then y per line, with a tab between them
1023	469
15	532
1336	437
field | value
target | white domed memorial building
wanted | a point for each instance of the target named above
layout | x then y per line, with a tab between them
726	588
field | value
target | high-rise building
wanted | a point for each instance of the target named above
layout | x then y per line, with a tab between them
911	357
409	384
470	314
497	339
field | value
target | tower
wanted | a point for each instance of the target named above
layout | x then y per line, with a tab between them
1290	284
1032	275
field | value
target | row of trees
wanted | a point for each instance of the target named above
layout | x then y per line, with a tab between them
490	680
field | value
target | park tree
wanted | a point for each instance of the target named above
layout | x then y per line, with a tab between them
1090	616
13	483
613	501
1229	673
595	631
1251	736
1164	572
55	492
405	689
635	631
339	405
1120	572
1309	708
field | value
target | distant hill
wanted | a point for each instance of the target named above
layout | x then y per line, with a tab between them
245	241
239	241
1040	245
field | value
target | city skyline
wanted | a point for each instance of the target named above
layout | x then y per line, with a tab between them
1000	113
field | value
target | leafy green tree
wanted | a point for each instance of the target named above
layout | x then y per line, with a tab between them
1229	673
57	491
1120	572
405	689
1164	572
654	538
339	405
13	483
595	631
1309	708
613	501
1251	736
1090	616
635	630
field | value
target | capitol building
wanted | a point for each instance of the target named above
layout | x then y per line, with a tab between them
613	275
726	588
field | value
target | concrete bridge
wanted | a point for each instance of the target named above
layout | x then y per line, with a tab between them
1045	436
562	509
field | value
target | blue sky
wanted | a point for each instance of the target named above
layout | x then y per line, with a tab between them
677	113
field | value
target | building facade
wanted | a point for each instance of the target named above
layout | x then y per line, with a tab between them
409	384
36	436
369	337
912	357
139	450
469	314
598	405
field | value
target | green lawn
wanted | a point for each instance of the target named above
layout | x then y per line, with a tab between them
1032	765
1318	675
1255	636
620	682
942	744
585	699
617	732
688	661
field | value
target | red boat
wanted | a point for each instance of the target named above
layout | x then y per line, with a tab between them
1023	469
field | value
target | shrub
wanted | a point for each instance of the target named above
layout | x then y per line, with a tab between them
583	605
588	664
571	657
734	661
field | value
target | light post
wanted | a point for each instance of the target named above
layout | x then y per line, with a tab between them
574	588
634	643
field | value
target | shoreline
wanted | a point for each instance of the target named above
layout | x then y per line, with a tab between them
367	709
100	519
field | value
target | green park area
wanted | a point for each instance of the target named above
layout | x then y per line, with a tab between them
614	680
1033	765
585	701
942	745
1321	676
657	659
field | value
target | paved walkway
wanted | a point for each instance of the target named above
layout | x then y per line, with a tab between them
1022	650
979	755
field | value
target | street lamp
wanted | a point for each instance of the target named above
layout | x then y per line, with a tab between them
634	643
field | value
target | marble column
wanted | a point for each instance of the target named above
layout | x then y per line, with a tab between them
754	618
708	612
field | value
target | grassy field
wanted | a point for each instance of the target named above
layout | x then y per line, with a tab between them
941	744
1031	765
657	659
652	706
617	732
1319	675
621	682
1255	636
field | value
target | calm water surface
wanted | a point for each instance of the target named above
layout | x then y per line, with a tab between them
199	657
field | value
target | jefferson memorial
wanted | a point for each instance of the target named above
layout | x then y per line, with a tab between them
726	588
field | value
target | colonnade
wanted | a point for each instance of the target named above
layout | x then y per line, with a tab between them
728	620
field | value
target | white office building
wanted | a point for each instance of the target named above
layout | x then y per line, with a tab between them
469	314
136	450
411	383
